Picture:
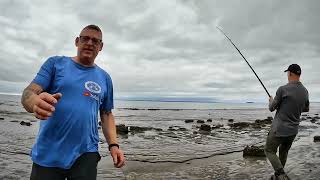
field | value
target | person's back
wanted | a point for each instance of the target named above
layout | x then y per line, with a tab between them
293	101
290	101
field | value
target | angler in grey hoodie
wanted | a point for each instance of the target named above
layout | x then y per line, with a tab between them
290	101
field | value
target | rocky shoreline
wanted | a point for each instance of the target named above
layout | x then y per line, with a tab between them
175	144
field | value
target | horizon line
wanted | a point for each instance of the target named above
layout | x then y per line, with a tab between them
170	99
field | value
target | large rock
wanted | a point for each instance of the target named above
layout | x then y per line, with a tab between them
230	120
200	121
239	125
209	120
260	123
205	127
188	121
316	139
137	129
122	129
264	121
257	151
25	123
270	118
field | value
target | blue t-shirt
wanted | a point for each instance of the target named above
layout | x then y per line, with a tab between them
73	128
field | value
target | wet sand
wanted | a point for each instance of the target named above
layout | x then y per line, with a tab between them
303	163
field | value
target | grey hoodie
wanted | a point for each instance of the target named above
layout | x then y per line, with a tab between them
290	101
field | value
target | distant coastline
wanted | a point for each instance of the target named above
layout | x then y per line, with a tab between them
167	100
171	99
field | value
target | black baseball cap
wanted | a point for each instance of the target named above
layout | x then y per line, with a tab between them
294	68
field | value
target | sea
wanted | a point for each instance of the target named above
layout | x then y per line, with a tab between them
167	146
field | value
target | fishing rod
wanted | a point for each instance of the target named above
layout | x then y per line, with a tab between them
246	61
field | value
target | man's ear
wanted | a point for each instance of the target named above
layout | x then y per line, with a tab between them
76	41
101	46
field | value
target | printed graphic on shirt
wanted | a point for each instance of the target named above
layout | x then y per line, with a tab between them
93	90
92	87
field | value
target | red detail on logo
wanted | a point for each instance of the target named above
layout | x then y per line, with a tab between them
86	93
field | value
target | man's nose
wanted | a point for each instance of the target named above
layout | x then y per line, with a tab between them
90	42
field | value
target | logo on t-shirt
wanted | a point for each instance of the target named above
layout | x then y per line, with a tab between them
93	90
92	87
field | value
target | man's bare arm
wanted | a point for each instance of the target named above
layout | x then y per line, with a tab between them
29	94
110	133
108	127
38	102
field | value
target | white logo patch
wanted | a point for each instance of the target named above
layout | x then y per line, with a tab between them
92	87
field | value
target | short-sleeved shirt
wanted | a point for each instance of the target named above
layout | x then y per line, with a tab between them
73	128
290	101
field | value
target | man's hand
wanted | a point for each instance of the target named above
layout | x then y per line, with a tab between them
117	157
270	99
43	105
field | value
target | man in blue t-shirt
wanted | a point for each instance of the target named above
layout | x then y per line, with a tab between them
66	95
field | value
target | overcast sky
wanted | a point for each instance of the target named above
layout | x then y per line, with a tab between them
169	48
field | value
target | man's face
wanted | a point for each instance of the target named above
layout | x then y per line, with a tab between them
89	44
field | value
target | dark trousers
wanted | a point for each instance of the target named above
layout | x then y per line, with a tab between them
272	145
84	168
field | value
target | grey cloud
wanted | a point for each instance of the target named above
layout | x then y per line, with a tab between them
162	48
